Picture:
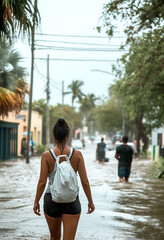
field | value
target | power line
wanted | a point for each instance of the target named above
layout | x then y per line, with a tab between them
42	76
55	87
56	83
43	47
45	78
78	43
77	36
77	60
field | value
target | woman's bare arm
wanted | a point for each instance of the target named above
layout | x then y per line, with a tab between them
85	183
41	183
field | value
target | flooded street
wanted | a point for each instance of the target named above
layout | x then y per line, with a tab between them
123	211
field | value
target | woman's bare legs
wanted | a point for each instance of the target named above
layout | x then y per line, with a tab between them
121	179
126	179
70	223
54	225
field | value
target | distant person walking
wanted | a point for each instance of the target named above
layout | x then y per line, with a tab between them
83	142
32	144
124	155
23	147
100	151
64	211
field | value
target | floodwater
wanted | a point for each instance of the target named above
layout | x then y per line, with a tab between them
123	211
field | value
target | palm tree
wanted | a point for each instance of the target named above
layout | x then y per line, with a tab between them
12	85
88	102
17	15
87	105
76	91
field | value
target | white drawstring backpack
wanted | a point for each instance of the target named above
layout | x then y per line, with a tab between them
64	188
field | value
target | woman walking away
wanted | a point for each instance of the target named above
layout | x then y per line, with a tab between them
61	209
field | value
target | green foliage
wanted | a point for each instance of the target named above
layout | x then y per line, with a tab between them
40	148
73	118
17	16
142	84
108	116
10	66
136	16
40	106
88	104
12	84
140	76
158	167
75	87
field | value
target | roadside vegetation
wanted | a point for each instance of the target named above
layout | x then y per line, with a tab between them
158	168
13	85
40	148
139	81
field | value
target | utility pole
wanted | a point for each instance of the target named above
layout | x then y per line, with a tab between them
47	109
31	84
123	123
63	96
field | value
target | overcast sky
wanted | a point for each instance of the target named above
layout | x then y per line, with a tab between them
73	17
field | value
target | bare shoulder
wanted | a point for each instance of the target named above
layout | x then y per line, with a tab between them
46	155
78	154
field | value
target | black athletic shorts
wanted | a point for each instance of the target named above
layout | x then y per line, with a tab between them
55	210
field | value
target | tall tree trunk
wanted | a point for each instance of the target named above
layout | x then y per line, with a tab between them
139	131
72	101
145	140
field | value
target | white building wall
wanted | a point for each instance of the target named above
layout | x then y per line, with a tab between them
155	135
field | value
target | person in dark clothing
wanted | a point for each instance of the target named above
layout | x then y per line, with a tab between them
124	155
100	151
23	147
32	146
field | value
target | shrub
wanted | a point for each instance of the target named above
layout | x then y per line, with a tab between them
158	167
40	148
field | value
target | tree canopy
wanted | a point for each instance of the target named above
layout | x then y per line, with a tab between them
17	16
75	87
142	82
73	118
141	85
108	116
140	75
12	84
137	15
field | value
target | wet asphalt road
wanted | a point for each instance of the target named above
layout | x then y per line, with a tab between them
123	211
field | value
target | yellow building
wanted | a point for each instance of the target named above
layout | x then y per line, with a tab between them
22	120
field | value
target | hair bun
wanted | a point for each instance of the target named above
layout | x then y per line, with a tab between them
61	122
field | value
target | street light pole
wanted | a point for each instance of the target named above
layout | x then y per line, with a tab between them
31	84
97	70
